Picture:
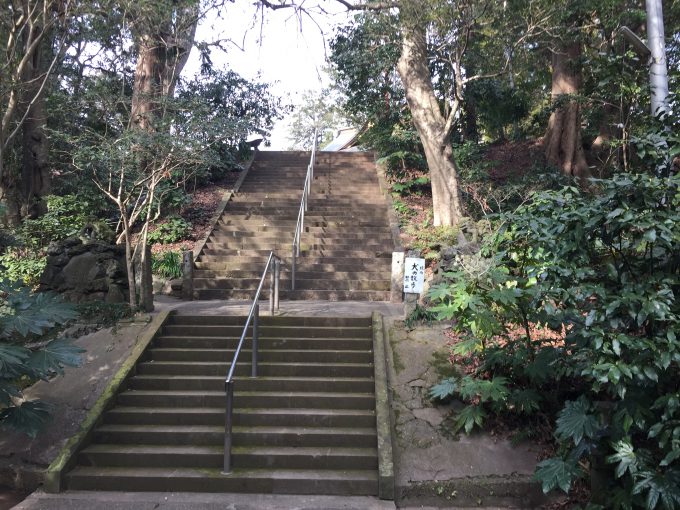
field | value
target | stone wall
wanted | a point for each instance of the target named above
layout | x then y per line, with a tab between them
93	270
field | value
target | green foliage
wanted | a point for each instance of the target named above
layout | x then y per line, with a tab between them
167	264
24	316
571	310
411	186
105	314
65	217
23	265
171	230
430	239
419	314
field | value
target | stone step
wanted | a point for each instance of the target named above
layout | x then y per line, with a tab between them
273	417
265	369
281	246
201	435
355	482
268	355
252	457
264	384
299	275
261	255
202	342
269	329
307	237
313	264
279	320
324	295
300	284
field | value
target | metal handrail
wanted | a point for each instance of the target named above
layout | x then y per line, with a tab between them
273	265
301	214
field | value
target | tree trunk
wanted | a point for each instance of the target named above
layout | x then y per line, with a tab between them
431	126
562	142
35	175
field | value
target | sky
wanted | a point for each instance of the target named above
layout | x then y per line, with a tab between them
272	46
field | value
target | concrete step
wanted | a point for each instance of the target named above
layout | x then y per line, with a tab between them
379	274
203	342
264	384
269	329
356	482
306	284
303	417
265	369
278	321
265	355
247	399
202	435
252	457
324	295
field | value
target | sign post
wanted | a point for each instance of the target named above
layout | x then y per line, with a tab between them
414	275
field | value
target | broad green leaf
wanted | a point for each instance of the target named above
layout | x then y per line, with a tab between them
444	389
575	422
12	360
30	417
554	473
468	417
624	457
53	357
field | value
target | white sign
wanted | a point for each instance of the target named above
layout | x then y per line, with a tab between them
414	275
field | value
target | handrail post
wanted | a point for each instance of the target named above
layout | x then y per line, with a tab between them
272	277
229	391
256	321
292	269
277	278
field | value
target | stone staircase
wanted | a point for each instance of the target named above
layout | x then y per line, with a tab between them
346	246
306	425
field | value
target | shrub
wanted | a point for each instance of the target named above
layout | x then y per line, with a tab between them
167	264
170	231
23	317
572	310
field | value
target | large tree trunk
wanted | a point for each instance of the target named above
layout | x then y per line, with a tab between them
431	126
26	179
161	56
35	175
562	142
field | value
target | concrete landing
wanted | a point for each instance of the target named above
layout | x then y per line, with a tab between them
82	500
302	308
432	466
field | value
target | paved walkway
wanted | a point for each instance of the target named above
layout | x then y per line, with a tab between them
300	308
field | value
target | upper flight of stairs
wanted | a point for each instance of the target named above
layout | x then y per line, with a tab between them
346	244
306	425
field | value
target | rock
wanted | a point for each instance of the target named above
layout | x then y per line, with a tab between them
176	285
115	294
85	272
429	414
449	253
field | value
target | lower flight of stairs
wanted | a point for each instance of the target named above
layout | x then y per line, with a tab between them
306	425
346	245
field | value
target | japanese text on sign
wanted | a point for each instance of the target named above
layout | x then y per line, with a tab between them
414	275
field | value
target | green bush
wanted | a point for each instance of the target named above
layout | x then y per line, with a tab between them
24	317
22	265
65	217
430	239
170	231
167	264
572	313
